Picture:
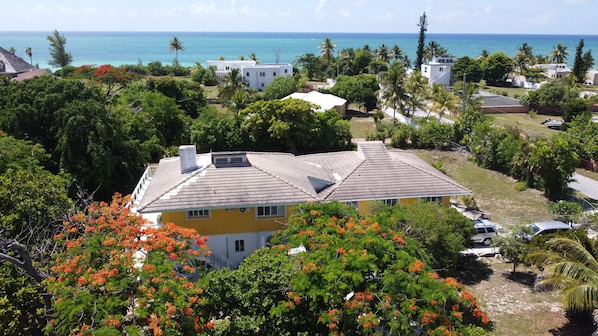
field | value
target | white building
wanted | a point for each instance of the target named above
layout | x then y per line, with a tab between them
555	70
257	76
439	70
591	78
324	100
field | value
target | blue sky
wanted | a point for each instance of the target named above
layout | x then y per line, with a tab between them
383	16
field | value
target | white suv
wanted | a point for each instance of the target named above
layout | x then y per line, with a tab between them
486	231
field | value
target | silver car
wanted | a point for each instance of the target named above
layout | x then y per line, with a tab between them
486	231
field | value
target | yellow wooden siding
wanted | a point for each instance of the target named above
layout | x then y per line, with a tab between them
224	221
232	221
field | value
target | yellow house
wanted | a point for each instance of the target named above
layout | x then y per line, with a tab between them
238	199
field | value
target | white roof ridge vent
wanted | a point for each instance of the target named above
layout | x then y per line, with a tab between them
230	159
188	158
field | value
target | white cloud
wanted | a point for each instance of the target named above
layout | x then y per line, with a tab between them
247	11
202	8
285	14
320	6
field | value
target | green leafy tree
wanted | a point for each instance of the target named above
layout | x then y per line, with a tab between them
468	66
118	276
361	276
248	295
189	96
514	246
310	64
553	162
291	124
421	40
363	58
60	57
496	67
578	67
442	232
280	87
32	203
360	89
213	132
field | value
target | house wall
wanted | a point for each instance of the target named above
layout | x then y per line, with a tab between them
225	221
260	76
365	209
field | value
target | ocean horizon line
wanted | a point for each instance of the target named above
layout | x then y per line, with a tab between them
293	32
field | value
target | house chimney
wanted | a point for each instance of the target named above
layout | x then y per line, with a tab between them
188	158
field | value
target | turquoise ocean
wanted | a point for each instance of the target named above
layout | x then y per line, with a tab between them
116	48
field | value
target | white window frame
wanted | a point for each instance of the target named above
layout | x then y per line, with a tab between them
279	209
198	214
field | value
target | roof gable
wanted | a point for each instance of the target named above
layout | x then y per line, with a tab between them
12	63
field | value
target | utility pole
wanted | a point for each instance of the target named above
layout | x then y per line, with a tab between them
464	93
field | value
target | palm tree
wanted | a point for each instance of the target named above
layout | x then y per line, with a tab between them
327	49
176	45
30	54
434	49
394	94
397	53
253	57
559	54
231	83
472	99
573	270
524	57
12	50
443	100
418	91
383	54
485	53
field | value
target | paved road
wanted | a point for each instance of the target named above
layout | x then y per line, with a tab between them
585	185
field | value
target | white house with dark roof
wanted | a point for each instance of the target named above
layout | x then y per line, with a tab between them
238	199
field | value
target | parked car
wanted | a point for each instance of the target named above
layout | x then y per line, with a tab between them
543	228
486	231
553	124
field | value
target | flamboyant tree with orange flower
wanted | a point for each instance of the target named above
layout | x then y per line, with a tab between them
118	275
367	278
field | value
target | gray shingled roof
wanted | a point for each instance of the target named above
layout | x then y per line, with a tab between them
370	173
13	64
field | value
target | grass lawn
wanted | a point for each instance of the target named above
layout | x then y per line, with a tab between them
531	127
495	192
509	299
513	92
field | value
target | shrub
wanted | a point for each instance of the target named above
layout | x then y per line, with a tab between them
520	186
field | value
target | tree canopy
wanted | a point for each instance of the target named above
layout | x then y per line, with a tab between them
60	57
